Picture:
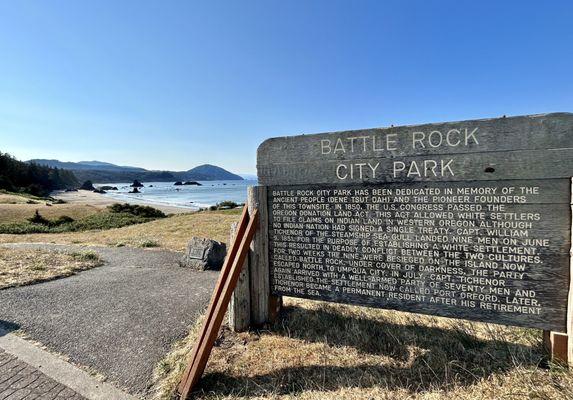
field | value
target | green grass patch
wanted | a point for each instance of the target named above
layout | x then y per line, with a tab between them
134	209
149	243
117	216
85	256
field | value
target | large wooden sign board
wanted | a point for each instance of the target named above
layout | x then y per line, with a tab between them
464	219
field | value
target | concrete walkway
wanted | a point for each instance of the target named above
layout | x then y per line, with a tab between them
19	380
28	372
119	319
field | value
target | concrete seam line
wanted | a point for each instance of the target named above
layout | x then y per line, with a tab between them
59	370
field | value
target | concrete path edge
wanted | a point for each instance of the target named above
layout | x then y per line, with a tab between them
59	370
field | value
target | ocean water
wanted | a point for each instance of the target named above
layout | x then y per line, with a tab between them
192	197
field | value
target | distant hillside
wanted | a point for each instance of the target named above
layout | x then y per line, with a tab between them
207	172
97	165
102	172
106	176
249	177
40	180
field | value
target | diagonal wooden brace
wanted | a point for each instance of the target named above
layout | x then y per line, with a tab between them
219	303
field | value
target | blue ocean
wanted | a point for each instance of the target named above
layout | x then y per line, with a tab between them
192	197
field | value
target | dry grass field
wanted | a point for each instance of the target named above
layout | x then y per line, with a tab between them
170	233
15	208
320	350
20	267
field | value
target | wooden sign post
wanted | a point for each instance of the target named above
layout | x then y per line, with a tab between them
220	300
252	304
467	219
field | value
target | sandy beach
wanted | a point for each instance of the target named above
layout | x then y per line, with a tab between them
86	197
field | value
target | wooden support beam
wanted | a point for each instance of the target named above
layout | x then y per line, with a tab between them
570	297
555	344
560	345
218	307
240	306
259	259
275	305
252	304
223	275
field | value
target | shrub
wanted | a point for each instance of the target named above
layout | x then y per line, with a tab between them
85	256
106	221
22	228
64	219
224	205
38	219
149	243
134	209
227	204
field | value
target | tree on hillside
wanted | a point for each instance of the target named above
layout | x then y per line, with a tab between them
18	176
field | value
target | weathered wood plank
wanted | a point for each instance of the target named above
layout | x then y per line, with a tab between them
569	329
373	245
240	305
556	345
532	132
507	165
548	191
375	217
275	306
481	234
258	258
553	318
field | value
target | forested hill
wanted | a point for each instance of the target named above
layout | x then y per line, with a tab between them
102	172
39	180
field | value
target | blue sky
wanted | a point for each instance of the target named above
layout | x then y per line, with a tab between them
174	84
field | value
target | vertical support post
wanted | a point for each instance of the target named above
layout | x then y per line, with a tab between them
560	345
275	305
555	344
570	297
240	305
263	308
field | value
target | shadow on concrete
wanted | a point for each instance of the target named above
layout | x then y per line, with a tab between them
7	327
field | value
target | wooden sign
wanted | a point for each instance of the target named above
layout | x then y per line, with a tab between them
464	219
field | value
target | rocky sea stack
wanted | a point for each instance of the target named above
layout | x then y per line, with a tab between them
87	185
